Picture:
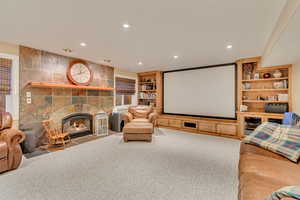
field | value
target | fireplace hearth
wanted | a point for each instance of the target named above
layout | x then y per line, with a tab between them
78	124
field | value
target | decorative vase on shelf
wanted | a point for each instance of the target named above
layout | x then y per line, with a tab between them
267	75
277	74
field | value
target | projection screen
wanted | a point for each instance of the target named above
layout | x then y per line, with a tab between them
202	91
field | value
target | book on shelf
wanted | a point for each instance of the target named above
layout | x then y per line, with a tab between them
143	95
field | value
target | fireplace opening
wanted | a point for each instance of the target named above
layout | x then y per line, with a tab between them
78	124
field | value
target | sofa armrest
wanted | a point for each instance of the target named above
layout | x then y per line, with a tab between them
127	117
152	117
12	136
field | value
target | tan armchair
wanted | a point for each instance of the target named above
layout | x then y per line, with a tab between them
140	114
10	139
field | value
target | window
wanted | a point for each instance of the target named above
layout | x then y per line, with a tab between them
5	81
125	91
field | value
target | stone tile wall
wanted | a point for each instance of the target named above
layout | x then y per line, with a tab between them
48	103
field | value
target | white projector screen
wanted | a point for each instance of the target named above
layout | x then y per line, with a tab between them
202	91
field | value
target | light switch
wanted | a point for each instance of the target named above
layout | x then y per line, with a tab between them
28	94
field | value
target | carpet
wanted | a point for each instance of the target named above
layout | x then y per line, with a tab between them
176	165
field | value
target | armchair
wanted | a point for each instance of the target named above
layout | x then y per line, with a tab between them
10	139
140	114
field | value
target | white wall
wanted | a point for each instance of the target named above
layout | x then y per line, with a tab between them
296	87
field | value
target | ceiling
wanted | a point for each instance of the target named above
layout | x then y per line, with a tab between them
286	48
197	31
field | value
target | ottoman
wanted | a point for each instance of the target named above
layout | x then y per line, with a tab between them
141	131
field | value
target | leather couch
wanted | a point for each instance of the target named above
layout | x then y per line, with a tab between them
140	113
10	139
262	172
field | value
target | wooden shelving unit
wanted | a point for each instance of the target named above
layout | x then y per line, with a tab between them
150	89
261	91
68	86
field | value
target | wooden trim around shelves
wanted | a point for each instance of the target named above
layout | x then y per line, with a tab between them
68	86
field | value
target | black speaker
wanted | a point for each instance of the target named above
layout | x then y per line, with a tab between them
276	107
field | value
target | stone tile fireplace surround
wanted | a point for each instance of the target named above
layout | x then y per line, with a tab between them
55	103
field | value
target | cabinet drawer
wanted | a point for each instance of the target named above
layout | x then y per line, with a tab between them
163	122
226	129
175	123
206	126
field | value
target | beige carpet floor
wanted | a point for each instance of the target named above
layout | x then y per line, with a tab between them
176	165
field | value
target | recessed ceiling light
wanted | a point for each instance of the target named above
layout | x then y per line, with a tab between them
82	44
175	57
140	63
229	46
126	26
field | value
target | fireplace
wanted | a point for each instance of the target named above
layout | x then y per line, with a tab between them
78	124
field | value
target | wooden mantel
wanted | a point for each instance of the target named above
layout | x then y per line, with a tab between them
69	86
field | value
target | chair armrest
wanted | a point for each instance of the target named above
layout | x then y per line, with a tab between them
152	117
12	136
127	117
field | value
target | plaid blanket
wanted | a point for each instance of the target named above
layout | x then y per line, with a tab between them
289	191
281	139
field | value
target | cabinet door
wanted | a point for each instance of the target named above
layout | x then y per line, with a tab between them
163	122
227	129
175	123
207	126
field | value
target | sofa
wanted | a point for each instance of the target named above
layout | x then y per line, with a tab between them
10	139
262	172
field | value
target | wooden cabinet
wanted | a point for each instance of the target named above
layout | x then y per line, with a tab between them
219	127
163	122
227	129
175	123
207	126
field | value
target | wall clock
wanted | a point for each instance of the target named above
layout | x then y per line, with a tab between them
79	73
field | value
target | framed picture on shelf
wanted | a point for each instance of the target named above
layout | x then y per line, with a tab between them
256	76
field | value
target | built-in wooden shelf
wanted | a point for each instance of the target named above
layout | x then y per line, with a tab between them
147	90
262	101
266	90
147	99
266	79
262	114
147	82
68	86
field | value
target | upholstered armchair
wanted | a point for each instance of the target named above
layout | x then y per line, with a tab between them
10	139
140	114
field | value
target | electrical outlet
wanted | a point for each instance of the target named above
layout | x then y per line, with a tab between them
28	100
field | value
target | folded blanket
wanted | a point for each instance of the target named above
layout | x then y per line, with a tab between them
281	139
289	191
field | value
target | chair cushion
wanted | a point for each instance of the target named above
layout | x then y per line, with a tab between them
255	187
277	170
253	149
143	120
136	128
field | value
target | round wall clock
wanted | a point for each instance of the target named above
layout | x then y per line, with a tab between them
79	73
